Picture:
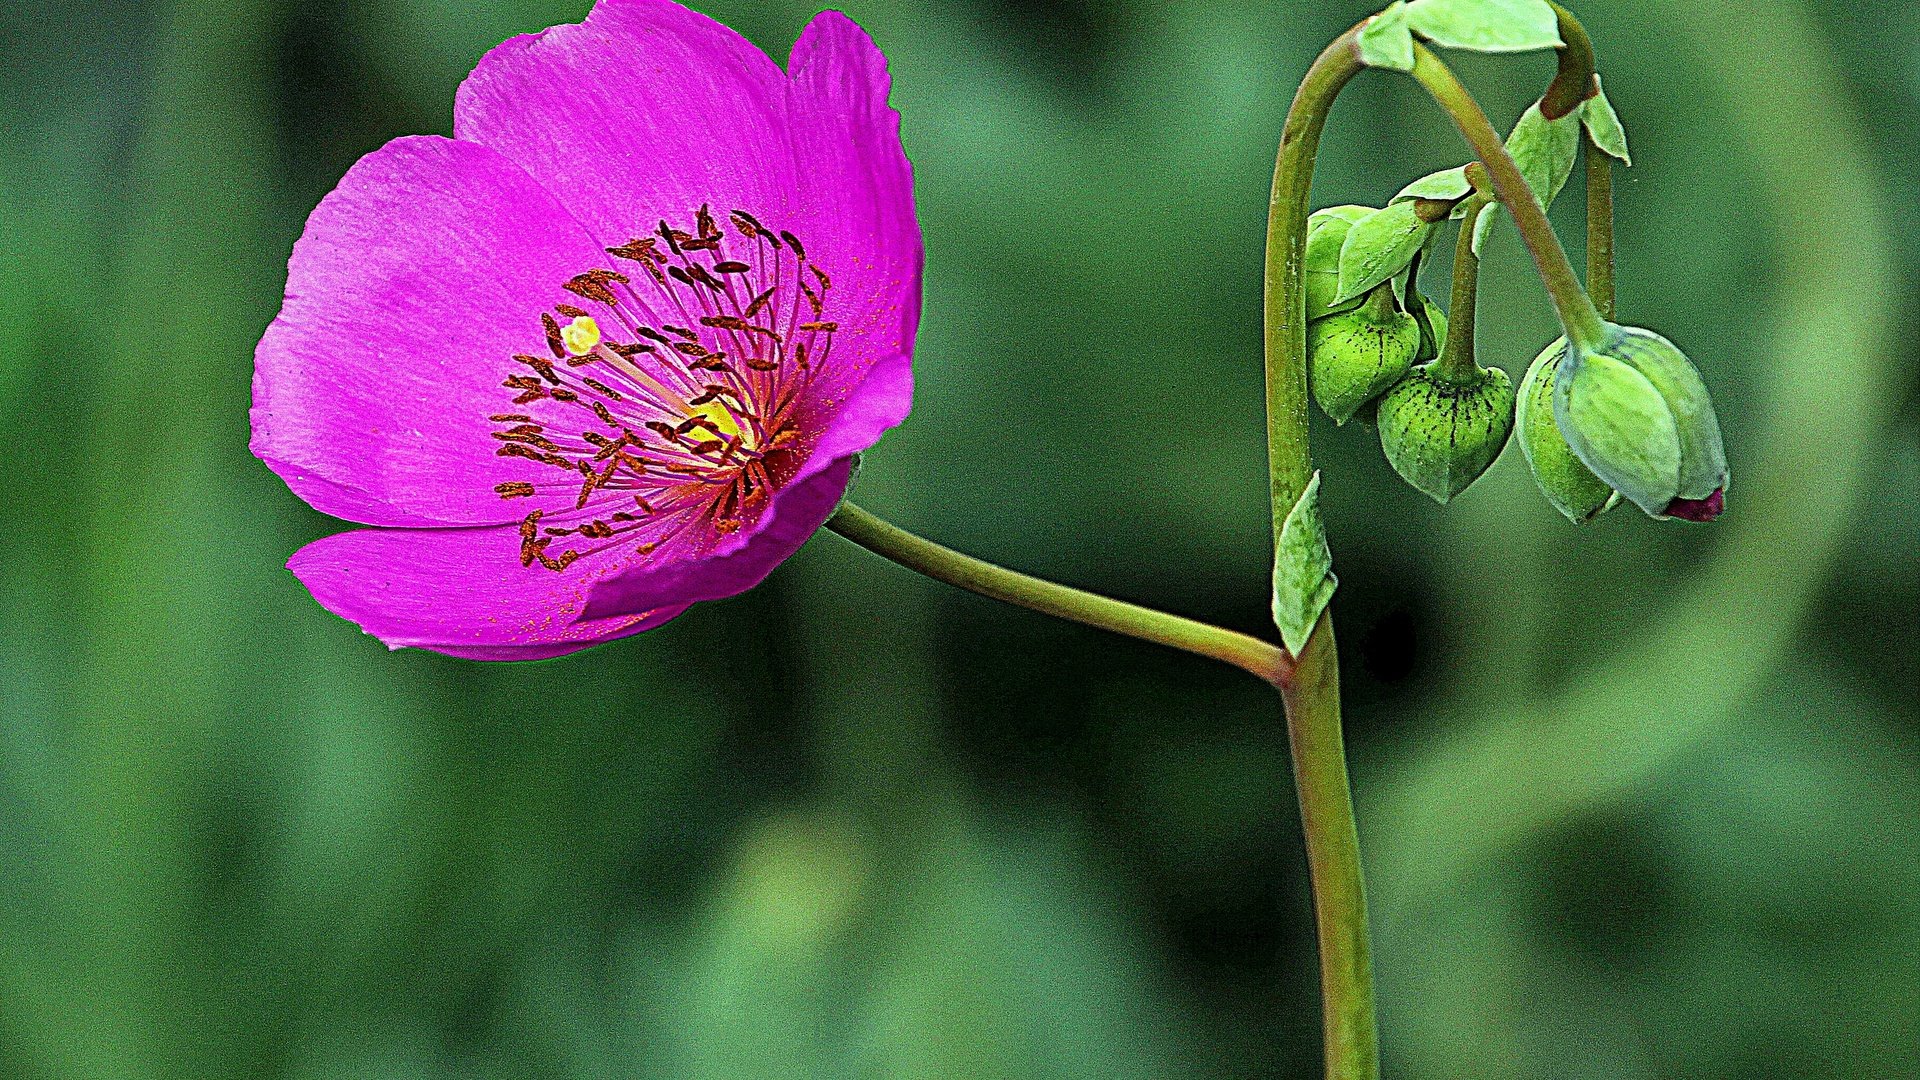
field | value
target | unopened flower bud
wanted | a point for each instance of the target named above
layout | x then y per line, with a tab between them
1355	356
1441	432
1320	272
1636	412
1569	485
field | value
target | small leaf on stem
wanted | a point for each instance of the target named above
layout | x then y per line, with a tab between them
1445	184
1545	151
1385	42
1303	580
1603	124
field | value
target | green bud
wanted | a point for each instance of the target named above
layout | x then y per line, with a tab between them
1326	232
1353	357
1441	432
1570	486
1636	412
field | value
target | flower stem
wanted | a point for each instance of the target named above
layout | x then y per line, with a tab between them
1350	1036
1572	85
1267	661
1599	225
1457	362
1583	324
1350	1032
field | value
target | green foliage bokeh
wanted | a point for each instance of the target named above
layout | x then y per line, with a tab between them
1638	800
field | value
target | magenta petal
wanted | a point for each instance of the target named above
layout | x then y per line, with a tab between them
644	111
417	280
856	184
461	592
880	401
796	514
1702	510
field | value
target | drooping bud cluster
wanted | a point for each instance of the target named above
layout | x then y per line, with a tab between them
1367	323
1627	417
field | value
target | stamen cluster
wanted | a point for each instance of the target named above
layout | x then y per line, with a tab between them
668	396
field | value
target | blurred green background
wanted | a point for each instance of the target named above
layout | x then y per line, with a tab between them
1638	800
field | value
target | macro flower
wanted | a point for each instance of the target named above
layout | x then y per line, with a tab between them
611	349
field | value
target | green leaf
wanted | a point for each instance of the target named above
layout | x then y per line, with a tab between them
1378	246
1603	124
1445	184
1486	25
1545	150
1385	42
1303	580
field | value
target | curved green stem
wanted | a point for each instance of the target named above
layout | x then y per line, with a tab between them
1267	661
1599	225
1289	465
1350	1032
1583	324
1456	358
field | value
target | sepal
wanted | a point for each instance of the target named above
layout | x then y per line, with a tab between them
1569	485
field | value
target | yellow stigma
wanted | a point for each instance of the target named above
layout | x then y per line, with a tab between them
722	419
581	335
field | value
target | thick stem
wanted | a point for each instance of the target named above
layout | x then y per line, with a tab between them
1583	324
1599	225
1267	661
1457	361
1351	1037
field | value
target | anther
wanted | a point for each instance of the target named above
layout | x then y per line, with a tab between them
540	364
604	390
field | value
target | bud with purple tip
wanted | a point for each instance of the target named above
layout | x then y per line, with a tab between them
1634	411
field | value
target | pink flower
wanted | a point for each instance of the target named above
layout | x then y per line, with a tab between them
607	352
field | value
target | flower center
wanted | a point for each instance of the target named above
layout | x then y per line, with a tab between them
670	398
